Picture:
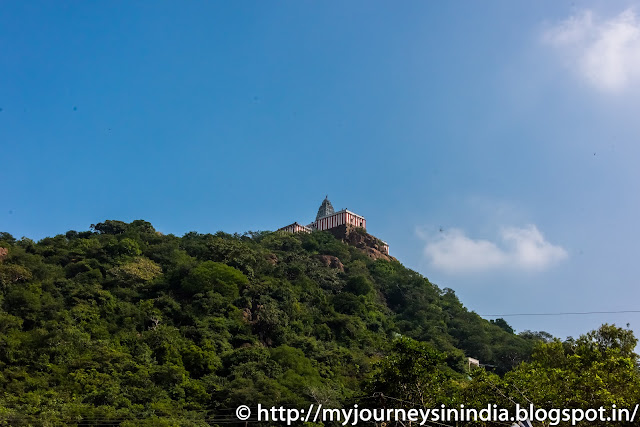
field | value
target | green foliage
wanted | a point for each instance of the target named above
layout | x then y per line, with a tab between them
6	237
414	373
132	327
217	277
13	274
110	227
598	369
125	247
136	271
359	285
502	324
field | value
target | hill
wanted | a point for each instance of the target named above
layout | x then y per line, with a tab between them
123	322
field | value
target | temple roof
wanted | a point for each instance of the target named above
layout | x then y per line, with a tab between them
326	209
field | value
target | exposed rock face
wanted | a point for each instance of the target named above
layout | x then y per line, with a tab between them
3	253
247	315
362	240
272	259
331	261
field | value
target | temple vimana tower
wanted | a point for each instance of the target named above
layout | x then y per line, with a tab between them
328	219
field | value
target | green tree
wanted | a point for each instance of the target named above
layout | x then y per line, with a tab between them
214	276
598	369
139	270
413	372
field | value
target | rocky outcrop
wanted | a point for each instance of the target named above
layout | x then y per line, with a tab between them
331	261
3	253
362	240
272	258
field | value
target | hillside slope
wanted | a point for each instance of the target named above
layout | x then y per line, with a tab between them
122	322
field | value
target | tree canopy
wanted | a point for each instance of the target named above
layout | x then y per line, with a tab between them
123	325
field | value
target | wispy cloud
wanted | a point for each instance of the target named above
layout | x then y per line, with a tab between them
606	52
519	248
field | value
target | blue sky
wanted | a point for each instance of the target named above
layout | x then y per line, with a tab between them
494	145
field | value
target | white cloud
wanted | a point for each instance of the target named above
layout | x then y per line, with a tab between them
606	52
528	248
520	249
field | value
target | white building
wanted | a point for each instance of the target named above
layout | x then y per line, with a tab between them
327	219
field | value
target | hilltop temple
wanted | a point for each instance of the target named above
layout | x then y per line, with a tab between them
328	219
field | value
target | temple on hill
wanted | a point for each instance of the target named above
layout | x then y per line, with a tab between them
328	219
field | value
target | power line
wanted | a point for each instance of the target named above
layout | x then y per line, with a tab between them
569	313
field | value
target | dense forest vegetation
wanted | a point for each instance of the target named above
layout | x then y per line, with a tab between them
122	325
